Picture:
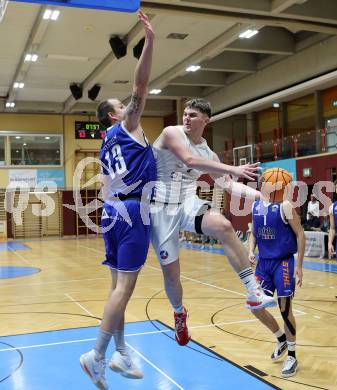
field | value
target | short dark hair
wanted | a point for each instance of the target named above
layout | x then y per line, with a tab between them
102	113
200	104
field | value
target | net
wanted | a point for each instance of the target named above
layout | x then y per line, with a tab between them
3	6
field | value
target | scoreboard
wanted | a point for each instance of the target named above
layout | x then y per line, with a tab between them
89	130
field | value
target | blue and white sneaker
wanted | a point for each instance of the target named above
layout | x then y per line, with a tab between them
124	365
290	367
280	350
94	368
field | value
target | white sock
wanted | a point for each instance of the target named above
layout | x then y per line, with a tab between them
120	341
278	334
248	279
178	309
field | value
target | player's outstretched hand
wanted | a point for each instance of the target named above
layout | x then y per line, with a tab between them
252	258
299	274
247	171
330	251
147	25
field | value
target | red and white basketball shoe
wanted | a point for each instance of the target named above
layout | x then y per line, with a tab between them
183	336
257	299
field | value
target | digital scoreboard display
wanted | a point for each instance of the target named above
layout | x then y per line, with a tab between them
89	130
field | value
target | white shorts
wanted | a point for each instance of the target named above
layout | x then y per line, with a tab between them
167	220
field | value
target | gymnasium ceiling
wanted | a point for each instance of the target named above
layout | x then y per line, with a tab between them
75	49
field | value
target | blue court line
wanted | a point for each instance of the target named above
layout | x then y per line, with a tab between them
8	272
13	246
323	267
51	360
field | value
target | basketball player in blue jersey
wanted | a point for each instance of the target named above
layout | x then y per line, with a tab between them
277	231
333	224
128	164
182	155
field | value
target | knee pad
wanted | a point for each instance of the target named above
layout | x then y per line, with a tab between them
285	315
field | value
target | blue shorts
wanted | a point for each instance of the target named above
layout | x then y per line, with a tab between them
277	275
127	238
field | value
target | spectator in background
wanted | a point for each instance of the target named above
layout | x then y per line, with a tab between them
325	225
313	212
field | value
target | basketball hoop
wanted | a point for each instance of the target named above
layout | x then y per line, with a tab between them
3	6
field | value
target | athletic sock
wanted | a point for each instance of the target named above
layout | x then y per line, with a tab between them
178	309
120	341
102	342
281	336
291	348
248	279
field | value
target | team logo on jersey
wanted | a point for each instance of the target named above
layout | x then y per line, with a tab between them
163	255
266	233
274	208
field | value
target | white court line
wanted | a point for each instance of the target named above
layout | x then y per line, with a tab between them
155	367
55	281
193	280
19	255
82	307
135	350
132	334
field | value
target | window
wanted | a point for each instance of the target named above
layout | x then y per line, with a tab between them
2	151
35	149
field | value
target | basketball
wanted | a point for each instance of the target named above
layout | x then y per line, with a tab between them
274	182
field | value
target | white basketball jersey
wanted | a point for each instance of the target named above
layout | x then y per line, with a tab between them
175	181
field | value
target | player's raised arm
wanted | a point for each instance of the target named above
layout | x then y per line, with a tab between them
136	106
172	140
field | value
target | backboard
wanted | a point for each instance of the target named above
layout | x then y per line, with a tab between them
110	5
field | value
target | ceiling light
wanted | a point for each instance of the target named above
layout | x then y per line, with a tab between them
51	14
193	68
155	91
17	137
10	104
276	105
248	33
46	137
47	14
18	85
24	144
31	57
55	14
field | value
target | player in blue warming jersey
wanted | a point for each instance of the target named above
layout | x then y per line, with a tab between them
278	234
128	167
332	231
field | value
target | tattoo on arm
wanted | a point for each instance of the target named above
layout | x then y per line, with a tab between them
134	105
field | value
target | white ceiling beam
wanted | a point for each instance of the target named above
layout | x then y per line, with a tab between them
278	6
202	79
245	18
176	91
231	62
284	95
33	42
270	40
210	50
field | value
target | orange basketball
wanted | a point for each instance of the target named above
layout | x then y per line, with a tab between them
274	182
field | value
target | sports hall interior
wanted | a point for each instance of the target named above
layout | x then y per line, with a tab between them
274	99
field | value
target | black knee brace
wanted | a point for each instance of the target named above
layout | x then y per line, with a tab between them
285	315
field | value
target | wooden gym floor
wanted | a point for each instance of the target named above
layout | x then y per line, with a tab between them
70	289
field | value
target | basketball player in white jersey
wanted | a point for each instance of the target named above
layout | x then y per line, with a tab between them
182	156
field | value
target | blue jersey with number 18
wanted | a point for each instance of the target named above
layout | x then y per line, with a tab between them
129	164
